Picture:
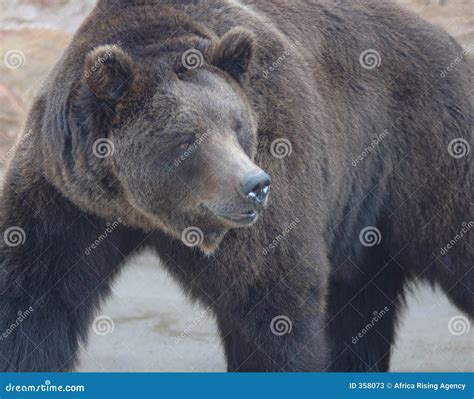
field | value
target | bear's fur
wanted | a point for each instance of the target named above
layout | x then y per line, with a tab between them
369	146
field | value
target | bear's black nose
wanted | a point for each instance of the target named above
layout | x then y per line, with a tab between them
256	187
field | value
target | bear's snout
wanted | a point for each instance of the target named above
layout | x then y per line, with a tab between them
255	188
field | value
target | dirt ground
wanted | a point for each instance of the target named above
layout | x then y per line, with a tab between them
149	325
156	329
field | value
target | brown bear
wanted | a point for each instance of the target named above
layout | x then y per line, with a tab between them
294	164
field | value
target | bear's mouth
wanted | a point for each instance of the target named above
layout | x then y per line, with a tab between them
241	219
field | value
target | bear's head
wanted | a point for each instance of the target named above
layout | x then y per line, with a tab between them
181	135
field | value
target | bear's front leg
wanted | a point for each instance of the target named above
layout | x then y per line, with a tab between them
56	264
279	327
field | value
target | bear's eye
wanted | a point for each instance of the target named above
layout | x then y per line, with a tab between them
185	145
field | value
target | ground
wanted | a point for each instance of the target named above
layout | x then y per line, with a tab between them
156	329
148	325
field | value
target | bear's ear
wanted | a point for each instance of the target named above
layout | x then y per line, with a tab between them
234	52
108	72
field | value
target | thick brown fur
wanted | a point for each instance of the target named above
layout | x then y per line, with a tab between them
270	70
